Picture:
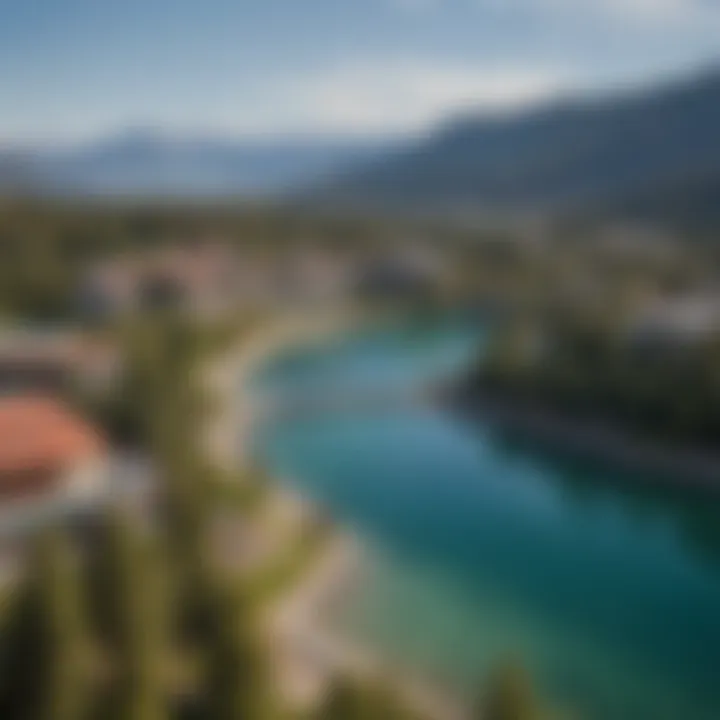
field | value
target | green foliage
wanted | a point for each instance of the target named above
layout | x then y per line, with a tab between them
509	696
130	602
344	700
47	247
236	684
592	370
244	492
269	582
352	700
44	671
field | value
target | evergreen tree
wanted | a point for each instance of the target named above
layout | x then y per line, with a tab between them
44	668
130	607
346	700
509	696
386	705
350	700
236	685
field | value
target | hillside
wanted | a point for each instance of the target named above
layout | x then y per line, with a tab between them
602	152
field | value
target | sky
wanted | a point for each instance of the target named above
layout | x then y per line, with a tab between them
75	70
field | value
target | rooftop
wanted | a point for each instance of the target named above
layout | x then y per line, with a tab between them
38	433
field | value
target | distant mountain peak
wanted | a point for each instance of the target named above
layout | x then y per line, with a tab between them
149	161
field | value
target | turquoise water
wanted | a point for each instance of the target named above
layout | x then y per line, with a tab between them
481	549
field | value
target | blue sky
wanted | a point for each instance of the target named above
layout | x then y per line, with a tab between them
80	69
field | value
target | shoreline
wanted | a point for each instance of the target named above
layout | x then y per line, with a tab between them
308	653
228	376
669	466
314	652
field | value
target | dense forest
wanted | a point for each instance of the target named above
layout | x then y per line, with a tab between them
667	391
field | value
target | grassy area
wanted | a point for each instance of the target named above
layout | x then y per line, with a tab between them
282	574
246	492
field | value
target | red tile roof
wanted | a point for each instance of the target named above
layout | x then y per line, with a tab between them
38	433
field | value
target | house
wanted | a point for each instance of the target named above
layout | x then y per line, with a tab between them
311	275
676	323
55	361
199	277
108	290
413	271
53	465
36	360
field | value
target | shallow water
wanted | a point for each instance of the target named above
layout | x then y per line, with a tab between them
481	549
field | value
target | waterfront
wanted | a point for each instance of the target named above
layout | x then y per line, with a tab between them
479	548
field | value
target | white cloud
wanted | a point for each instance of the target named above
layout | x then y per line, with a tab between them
646	13
356	98
638	14
405	94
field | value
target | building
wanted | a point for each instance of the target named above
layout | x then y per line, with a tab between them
200	278
36	361
55	362
413	271
52	464
311	275
677	323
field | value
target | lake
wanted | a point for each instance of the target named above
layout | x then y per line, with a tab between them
480	549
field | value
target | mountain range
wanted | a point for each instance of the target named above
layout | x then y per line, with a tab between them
143	163
651	152
647	152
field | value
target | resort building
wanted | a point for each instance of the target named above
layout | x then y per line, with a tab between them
677	323
52	464
55	361
198	277
408	271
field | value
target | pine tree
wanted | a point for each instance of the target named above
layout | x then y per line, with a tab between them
236	683
130	607
509	696
386	705
346	700
351	700
44	670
